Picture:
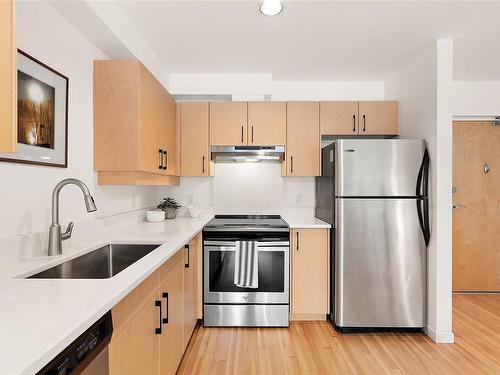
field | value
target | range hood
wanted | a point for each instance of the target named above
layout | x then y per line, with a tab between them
234	154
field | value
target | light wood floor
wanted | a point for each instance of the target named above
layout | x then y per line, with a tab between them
316	348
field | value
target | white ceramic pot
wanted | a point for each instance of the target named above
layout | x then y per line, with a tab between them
155	216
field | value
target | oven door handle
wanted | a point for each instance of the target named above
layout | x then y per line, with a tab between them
233	243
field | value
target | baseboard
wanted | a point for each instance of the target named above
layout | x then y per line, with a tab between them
307	317
440	337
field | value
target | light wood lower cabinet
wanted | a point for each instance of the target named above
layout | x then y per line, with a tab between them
309	274
8	77
153	324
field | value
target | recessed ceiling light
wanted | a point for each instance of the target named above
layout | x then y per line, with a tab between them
271	7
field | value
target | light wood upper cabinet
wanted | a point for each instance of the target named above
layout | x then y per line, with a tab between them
228	123
303	142
195	149
8	77
309	274
172	294
169	135
192	254
378	118
266	123
130	120
339	118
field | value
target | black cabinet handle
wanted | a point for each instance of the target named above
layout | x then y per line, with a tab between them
160	166
291	164
158	330
353	123
165	319
252	134
242	134
165	165
297	241
364	122
187	247
203	165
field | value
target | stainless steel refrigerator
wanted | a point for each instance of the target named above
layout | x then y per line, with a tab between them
374	193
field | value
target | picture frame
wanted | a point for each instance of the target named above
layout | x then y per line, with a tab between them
42	118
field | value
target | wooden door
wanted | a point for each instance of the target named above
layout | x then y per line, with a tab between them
378	118
339	118
476	218
134	348
149	121
303	140
194	126
169	134
266	123
309	275
172	336
8	77
228	123
191	259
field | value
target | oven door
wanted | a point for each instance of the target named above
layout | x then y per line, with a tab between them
274	273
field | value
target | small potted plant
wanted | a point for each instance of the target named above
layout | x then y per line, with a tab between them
170	206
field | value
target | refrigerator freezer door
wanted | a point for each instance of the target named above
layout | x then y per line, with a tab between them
380	262
378	167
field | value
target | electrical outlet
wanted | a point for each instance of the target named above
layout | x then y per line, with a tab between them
298	199
190	199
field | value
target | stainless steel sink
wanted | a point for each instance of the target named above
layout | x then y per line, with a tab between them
103	263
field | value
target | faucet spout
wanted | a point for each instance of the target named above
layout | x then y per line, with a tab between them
55	235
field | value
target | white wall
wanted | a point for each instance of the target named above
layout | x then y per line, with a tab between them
26	190
423	88
247	188
476	98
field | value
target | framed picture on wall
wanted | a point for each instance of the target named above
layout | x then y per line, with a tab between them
42	115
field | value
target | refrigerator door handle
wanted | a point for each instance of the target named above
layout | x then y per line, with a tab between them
422	190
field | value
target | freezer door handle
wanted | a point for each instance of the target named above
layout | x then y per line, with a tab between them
423	190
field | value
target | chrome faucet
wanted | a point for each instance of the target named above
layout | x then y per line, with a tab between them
55	235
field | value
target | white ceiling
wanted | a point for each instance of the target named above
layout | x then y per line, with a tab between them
317	40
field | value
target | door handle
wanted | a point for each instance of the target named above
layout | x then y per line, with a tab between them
165	166
297	241
165	319
353	123
187	248
160	164
291	164
242	134
364	122
203	165
252	134
457	206
158	330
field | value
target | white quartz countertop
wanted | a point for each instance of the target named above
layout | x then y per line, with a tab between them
40	317
306	222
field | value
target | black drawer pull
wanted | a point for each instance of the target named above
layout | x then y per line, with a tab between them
158	330
297	241
353	123
187	247
203	166
364	123
160	165
165	319
166	160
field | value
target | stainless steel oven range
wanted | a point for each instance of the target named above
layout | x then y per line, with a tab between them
246	271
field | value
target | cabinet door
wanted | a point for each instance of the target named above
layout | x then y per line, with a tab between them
8	77
194	138
338	118
192	253
171	292
303	141
169	134
135	348
378	118
266	123
228	123
150	122
309	251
